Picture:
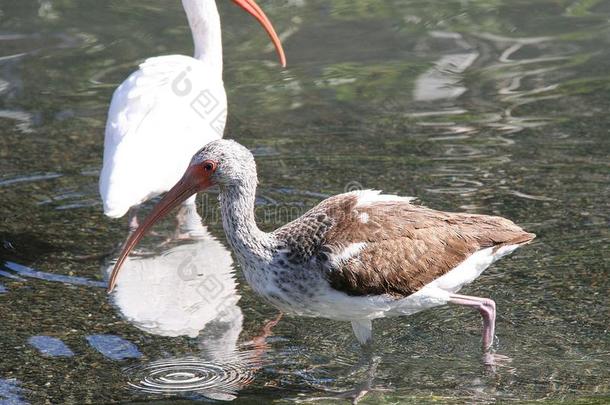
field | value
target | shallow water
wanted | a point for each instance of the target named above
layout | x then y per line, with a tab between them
491	106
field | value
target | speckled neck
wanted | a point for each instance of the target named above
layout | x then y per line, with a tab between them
238	219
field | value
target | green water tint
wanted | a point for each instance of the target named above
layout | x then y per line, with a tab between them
495	107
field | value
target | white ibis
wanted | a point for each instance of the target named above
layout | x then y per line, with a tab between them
166	111
355	257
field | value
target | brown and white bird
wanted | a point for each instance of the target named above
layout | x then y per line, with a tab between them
355	257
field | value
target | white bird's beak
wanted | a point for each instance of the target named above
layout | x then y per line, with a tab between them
252	8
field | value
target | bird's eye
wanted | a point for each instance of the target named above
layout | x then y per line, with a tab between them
209	166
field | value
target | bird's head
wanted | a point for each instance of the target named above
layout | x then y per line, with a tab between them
223	162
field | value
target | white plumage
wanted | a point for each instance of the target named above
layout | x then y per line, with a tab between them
167	110
180	291
159	117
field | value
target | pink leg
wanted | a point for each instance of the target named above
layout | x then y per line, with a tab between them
487	308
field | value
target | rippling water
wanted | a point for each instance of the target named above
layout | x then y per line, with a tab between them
496	107
220	381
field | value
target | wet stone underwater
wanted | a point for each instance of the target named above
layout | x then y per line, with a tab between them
496	107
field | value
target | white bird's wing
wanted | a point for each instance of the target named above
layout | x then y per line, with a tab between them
159	117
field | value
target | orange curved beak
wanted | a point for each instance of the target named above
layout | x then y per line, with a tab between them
193	181
252	8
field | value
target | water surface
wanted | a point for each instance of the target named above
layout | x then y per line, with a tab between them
496	106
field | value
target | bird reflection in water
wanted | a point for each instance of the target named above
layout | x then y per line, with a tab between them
189	289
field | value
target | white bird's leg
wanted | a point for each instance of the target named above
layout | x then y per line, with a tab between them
132	214
487	308
189	222
363	329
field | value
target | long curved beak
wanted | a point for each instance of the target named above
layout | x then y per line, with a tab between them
192	182
252	8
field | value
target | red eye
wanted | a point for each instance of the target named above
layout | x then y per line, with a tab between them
209	166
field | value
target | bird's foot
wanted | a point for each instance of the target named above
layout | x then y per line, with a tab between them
492	361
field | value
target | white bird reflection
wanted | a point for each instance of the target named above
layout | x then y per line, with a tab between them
181	290
189	289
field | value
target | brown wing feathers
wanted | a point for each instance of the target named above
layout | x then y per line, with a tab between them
408	246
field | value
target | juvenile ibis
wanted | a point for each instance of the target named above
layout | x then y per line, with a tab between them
354	257
166	111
